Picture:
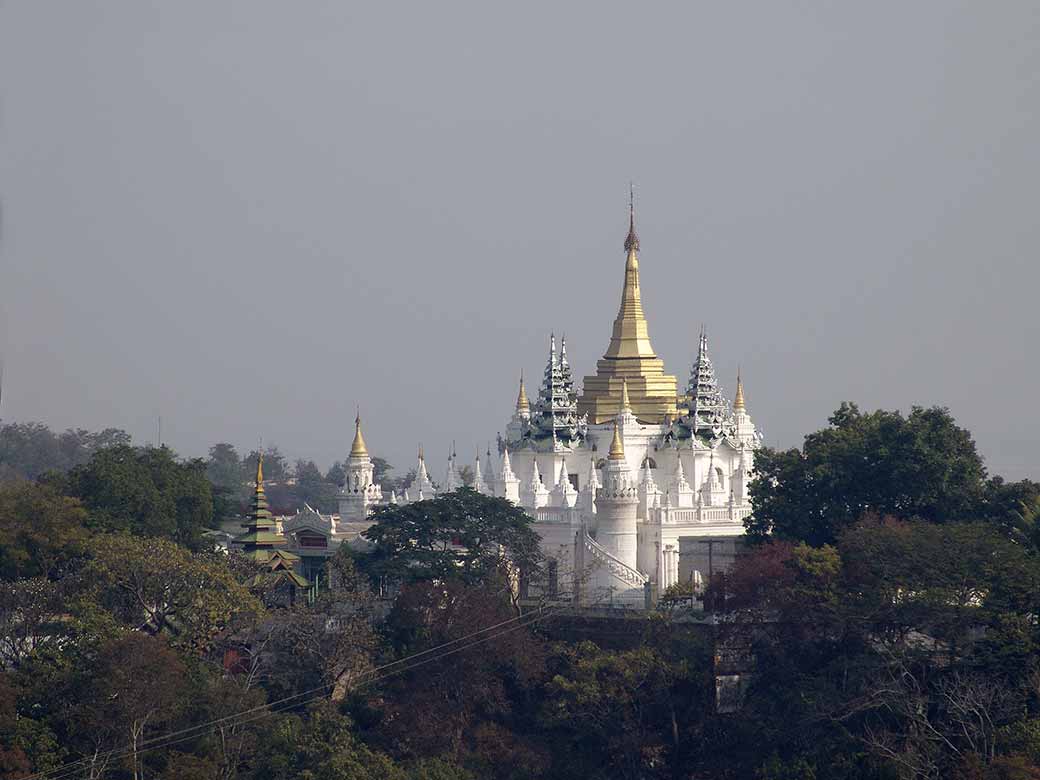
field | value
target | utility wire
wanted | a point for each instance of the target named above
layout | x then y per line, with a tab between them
67	770
277	702
261	715
154	743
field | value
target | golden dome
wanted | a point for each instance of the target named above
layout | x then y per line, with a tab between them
358	448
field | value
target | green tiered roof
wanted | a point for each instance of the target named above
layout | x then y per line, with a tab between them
262	538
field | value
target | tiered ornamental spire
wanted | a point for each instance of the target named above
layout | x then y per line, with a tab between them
553	425
630	355
262	540
709	414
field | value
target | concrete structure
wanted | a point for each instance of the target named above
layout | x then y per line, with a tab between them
632	484
668	501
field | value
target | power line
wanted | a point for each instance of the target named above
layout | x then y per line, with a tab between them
157	743
289	702
287	699
261	715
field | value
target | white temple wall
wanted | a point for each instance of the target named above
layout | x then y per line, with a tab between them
648	551
557	545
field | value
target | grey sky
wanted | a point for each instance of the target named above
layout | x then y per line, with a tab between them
251	215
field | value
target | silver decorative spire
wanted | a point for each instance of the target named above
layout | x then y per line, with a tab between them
709	412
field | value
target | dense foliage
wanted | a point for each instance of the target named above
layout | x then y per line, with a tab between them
30	450
920	466
462	535
883	626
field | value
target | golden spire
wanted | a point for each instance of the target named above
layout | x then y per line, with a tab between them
617	449
630	338
260	472
358	448
522	404
629	355
626	405
738	400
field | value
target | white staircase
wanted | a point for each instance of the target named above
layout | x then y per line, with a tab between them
618	568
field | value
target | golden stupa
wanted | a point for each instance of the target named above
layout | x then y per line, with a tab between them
629	357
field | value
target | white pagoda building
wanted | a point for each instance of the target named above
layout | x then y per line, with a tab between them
632	484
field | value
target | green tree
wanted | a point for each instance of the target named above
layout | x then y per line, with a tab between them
276	467
614	712
919	466
13	760
904	647
40	530
29	450
380	470
336	474
312	488
463	535
33	618
224	467
329	640
160	588
1014	507
224	471
464	706
217	696
964	585
144	490
321	746
136	684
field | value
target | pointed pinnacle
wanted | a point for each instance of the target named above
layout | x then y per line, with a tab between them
617	449
631	240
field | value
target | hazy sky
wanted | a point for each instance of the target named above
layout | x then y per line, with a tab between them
252	215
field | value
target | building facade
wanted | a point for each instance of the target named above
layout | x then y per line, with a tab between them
631	482
634	485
